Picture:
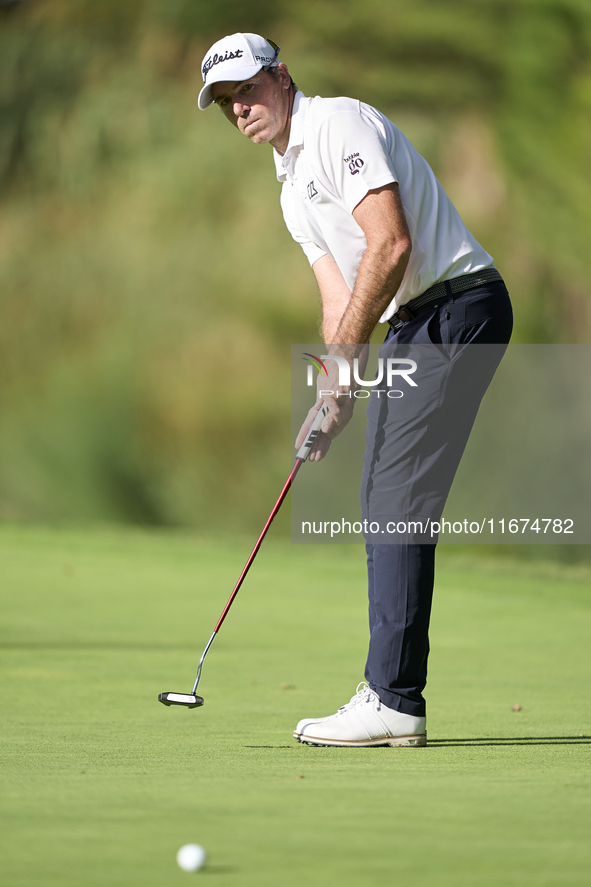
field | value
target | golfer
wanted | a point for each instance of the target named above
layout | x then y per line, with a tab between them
386	245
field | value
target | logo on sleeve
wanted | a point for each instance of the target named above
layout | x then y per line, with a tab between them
355	163
312	192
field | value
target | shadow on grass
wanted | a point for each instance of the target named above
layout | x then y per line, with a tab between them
501	742
514	740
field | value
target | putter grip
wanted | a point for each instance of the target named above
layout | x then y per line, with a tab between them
304	450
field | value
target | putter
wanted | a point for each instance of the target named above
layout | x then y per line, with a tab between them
190	700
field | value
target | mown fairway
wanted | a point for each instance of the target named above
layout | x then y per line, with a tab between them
101	784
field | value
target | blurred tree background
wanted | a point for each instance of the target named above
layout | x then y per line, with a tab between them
149	289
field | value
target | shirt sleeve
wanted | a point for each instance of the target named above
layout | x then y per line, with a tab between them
354	156
312	251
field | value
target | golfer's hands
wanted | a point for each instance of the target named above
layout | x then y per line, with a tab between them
339	399
340	412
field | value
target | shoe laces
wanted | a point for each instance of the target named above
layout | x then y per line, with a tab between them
363	694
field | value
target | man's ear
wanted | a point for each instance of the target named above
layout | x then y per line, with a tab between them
284	75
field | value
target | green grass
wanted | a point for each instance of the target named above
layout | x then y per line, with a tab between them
101	785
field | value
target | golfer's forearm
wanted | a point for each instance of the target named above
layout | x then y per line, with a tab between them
380	275
334	293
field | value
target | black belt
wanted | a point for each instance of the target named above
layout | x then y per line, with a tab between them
440	290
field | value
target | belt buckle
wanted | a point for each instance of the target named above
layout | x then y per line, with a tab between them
402	316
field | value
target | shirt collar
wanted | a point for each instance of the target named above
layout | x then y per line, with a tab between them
296	134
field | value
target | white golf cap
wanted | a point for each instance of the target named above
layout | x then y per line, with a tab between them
235	58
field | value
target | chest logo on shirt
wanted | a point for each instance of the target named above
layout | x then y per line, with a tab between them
312	192
355	163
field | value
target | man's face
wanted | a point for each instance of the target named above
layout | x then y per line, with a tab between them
259	107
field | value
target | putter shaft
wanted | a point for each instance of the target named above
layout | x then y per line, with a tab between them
301	457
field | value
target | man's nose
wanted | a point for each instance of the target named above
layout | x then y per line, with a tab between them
240	109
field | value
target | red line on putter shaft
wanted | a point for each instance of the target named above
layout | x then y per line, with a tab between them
298	464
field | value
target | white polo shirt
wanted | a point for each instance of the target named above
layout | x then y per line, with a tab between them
339	149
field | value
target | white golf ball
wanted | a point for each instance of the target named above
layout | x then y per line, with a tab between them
191	857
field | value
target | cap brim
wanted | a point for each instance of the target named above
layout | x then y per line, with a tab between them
233	75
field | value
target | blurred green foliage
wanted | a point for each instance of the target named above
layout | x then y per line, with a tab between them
149	290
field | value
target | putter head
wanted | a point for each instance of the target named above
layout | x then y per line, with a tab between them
187	699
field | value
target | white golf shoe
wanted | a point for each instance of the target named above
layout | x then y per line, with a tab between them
364	721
